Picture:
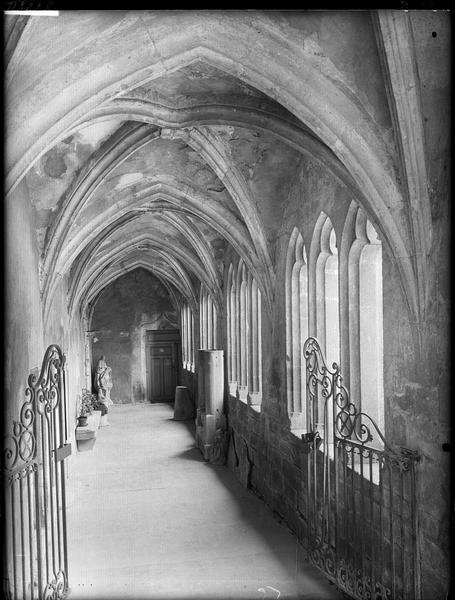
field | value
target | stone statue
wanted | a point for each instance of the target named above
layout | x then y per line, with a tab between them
103	382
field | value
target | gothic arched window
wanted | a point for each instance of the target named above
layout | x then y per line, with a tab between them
244	352
208	321
187	333
323	289
296	290
362	311
323	305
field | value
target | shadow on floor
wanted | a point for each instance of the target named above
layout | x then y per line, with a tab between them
258	514
242	525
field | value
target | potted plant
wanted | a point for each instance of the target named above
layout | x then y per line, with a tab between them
93	408
86	432
82	418
86	408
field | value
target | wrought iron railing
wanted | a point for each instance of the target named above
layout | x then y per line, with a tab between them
360	493
35	553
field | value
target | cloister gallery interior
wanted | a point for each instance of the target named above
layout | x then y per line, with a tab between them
227	304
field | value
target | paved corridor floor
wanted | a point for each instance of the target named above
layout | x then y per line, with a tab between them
148	518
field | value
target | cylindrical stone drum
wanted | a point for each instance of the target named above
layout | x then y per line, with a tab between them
183	405
201	380
214	381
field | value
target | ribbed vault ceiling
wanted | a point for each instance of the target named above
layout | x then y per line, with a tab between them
161	180
159	176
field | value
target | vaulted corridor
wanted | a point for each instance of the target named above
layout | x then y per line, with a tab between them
248	210
149	518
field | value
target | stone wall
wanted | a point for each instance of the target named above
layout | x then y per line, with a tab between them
268	458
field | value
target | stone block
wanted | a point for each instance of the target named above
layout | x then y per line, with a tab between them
183	405
276	479
433	587
291	474
85	445
254	440
94	420
85	438
290	494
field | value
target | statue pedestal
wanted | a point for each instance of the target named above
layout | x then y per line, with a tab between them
85	438
94	419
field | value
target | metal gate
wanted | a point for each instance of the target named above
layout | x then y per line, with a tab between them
360	493
36	553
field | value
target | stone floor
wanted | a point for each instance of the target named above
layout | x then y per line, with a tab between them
148	518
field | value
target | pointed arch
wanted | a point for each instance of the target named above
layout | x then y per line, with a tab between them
244	334
324	322
329	109
296	291
362	312
208	320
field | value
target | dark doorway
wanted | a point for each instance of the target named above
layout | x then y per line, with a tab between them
163	352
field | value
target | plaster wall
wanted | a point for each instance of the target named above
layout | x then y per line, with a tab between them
124	310
25	334
67	333
23	324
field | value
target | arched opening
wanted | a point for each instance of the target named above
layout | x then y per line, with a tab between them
371	328
296	330
135	325
324	304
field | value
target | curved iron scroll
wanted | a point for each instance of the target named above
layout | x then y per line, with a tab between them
34	472
349	421
44	393
362	517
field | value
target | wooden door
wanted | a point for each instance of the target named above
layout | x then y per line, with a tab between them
163	361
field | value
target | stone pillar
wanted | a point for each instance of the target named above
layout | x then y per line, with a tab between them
213	381
210	398
201	380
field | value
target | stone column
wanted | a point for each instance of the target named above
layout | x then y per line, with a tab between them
210	398
214	381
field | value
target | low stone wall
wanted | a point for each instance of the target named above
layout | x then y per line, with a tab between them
268	459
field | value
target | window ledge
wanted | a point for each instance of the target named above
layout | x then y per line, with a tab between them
233	388
242	394
298	432
356	467
256	407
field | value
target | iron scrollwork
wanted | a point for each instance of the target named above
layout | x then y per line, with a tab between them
357	479
43	395
45	389
20	446
403	460
311	440
32	476
57	589
350	423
